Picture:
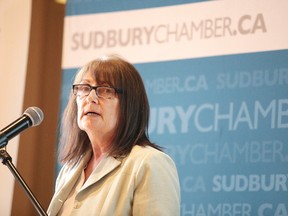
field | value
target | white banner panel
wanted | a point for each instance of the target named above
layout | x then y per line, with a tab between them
177	32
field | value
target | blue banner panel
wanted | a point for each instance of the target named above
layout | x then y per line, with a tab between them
224	122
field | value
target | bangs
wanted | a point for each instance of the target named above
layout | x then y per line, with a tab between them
104	72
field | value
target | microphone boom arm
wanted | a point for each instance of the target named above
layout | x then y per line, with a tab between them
7	160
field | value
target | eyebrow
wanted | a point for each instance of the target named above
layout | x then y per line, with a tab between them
104	84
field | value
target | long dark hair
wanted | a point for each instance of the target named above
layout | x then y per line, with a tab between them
133	118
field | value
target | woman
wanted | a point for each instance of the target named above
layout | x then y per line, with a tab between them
110	166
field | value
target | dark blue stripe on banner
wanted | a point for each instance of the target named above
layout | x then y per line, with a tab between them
80	7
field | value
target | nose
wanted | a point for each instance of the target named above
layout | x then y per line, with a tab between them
92	96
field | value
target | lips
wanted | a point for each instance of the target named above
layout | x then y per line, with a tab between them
91	113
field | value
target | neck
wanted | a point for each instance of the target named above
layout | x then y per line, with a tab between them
92	164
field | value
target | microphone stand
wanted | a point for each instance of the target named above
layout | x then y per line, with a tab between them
7	160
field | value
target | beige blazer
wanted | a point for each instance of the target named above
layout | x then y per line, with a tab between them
145	183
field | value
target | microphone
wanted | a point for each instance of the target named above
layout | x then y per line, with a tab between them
32	116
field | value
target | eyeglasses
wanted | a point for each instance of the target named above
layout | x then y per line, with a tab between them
82	90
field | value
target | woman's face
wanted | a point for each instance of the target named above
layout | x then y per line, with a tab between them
97	116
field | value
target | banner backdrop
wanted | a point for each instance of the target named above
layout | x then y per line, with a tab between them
216	74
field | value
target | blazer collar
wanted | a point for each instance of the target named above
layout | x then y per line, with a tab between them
105	166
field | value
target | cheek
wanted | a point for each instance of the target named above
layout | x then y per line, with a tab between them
78	119
114	116
113	119
79	111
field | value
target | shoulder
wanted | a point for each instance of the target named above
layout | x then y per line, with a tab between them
144	152
149	158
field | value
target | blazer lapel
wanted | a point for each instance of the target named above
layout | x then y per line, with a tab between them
67	185
105	166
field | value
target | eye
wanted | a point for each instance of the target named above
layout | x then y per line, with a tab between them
81	89
105	92
108	90
84	88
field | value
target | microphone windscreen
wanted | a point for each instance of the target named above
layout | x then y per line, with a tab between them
35	114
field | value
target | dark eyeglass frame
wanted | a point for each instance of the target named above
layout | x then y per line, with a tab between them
117	90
